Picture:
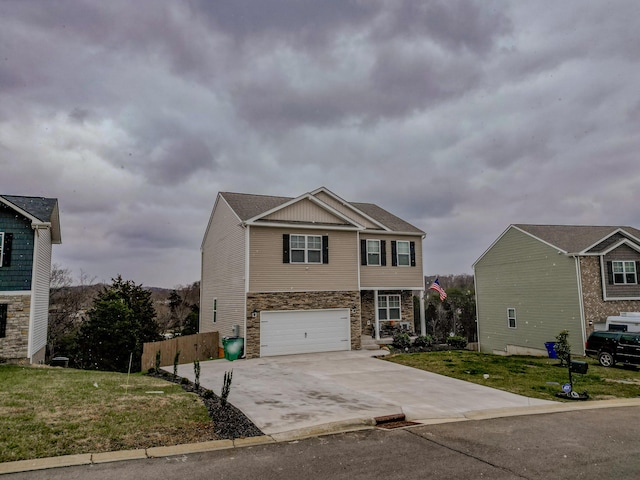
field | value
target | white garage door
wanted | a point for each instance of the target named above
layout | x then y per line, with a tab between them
304	331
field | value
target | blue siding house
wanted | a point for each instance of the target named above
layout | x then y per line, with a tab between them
28	228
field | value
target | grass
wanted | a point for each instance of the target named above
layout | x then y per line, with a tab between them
48	411
535	377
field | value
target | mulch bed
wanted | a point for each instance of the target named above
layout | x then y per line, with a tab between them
228	421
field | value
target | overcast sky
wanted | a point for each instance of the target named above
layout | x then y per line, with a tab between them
461	117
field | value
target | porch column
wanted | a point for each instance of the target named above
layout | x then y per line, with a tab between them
375	307
423	323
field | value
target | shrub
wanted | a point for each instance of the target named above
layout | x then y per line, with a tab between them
196	373
562	347
401	340
423	341
457	342
207	394
158	359
226	388
176	360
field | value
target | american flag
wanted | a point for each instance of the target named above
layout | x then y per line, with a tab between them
436	286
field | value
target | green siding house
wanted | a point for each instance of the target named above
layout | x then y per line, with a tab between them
28	228
536	280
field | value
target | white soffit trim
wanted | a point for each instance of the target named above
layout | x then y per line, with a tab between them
347	204
618	244
617	230
306	196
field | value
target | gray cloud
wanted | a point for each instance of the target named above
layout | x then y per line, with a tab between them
459	116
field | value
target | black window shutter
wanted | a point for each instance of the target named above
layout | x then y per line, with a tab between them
363	252
394	254
383	253
610	273
325	249
6	249
412	249
285	248
3	320
637	271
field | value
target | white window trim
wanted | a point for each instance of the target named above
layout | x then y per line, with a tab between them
624	272
306	248
398	254
514	317
379	253
1	248
387	308
215	311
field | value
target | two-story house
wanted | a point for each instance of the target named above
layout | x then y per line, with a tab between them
536	280
28	228
307	274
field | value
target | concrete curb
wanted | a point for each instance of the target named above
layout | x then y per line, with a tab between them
300	434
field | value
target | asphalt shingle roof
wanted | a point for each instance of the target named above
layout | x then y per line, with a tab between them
247	206
574	238
39	207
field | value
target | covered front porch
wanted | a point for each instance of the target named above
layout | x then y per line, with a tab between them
385	312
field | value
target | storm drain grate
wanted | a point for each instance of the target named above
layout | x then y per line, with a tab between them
390	422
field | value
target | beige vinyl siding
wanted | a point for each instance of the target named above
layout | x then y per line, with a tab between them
223	272
268	273
389	276
305	211
347	211
523	273
40	291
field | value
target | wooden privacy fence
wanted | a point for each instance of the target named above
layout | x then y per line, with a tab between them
201	346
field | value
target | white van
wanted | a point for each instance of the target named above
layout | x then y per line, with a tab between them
625	322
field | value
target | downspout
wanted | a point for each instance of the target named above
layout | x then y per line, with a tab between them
581	303
246	287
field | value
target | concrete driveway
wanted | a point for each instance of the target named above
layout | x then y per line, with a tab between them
329	390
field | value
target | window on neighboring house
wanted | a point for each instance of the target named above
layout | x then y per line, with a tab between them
3	320
511	317
215	310
389	307
305	248
624	272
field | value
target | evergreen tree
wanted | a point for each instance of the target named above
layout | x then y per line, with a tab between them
121	320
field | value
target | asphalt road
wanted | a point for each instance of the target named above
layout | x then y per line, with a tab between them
588	444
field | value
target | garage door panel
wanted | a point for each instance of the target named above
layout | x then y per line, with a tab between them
308	331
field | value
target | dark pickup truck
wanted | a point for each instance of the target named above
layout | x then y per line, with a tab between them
614	347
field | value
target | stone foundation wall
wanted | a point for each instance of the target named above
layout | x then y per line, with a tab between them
595	308
14	346
298	301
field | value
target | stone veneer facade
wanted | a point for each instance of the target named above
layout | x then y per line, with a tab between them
369	308
14	346
298	301
595	308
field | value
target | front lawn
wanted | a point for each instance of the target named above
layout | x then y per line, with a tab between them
48	411
536	377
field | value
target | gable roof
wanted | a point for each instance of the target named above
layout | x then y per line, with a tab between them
38	210
577	238
249	206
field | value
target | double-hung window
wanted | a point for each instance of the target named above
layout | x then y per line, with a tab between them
389	307
624	272
306	248
373	252
215	310
511	317
404	254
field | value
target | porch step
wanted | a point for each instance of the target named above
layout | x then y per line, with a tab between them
369	343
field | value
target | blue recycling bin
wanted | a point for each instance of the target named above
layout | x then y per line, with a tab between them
551	350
